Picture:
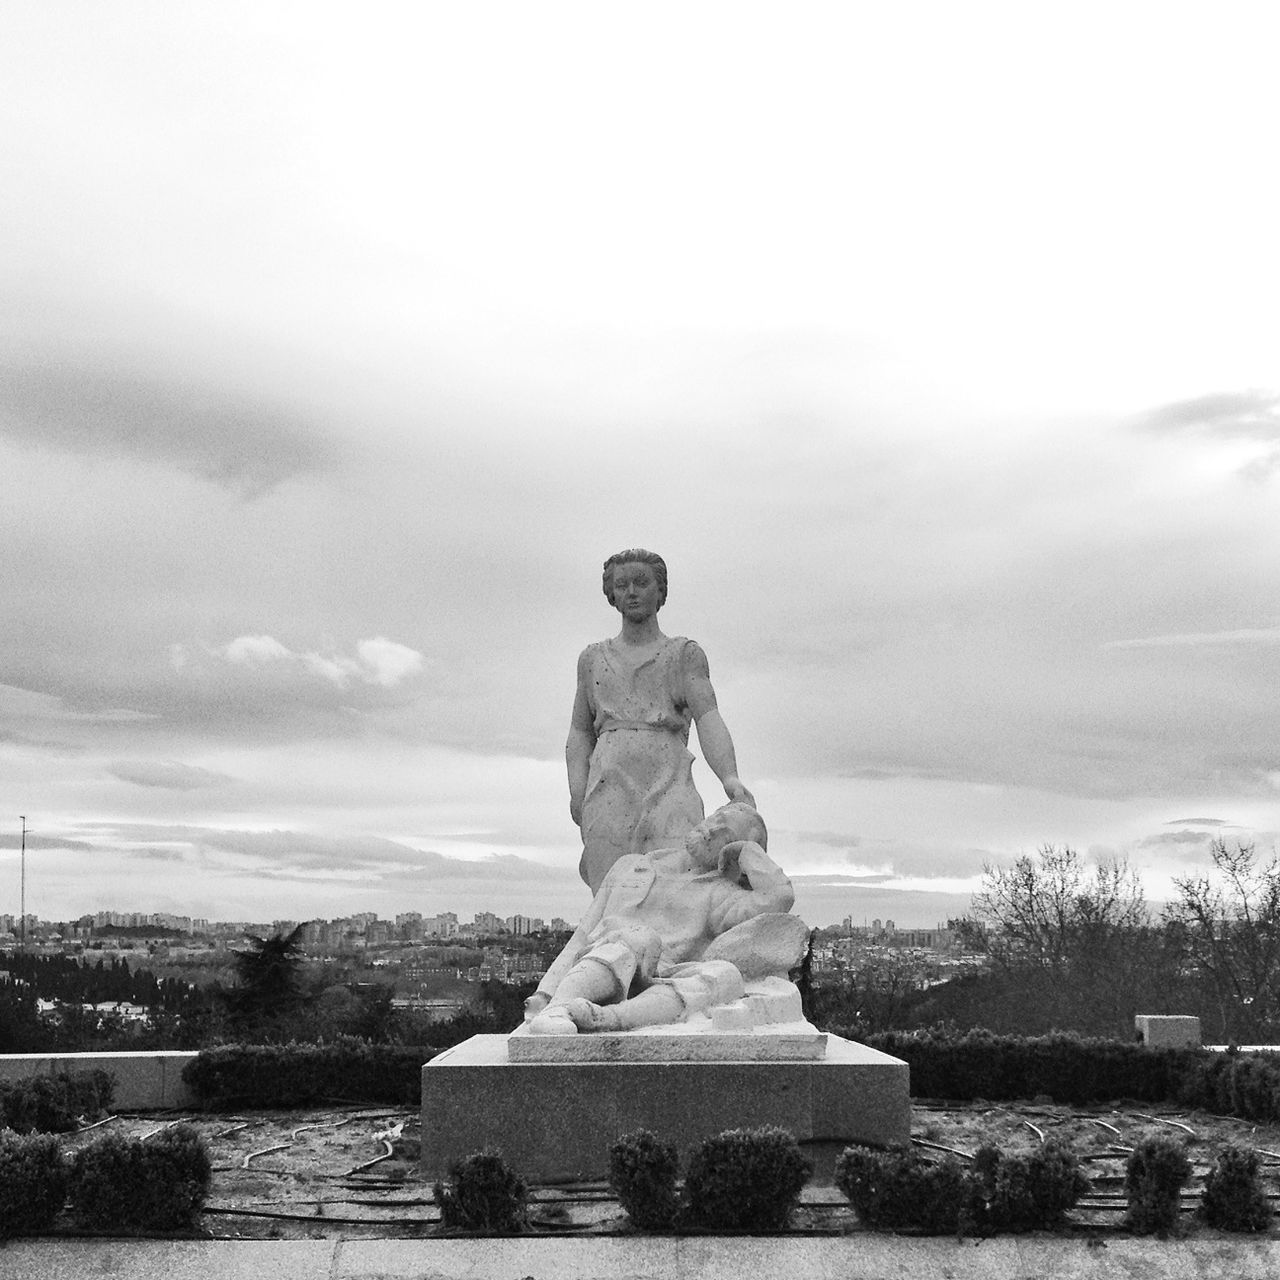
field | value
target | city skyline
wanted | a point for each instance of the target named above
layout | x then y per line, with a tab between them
935	349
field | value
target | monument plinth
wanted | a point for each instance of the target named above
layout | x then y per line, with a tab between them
555	1121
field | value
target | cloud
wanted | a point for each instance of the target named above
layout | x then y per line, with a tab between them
21	704
1244	415
830	839
36	841
379	661
171	775
1251	414
1161	838
1198	822
1245	635
284	852
386	662
229	439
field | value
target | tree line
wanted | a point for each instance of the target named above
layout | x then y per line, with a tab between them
1074	946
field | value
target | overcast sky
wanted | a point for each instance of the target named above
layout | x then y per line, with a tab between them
936	347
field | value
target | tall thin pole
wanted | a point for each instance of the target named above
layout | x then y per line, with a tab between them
23	903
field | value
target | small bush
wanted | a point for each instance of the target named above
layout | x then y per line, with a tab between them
1026	1192
483	1196
55	1104
900	1190
1233	1197
33	1183
744	1180
1157	1171
642	1174
123	1184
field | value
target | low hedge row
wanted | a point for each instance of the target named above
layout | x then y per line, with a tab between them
1077	1071
901	1190
55	1104
1067	1068
115	1185
300	1075
976	1064
746	1180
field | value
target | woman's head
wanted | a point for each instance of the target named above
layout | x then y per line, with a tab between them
636	555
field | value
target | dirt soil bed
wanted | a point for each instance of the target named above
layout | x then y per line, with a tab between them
352	1172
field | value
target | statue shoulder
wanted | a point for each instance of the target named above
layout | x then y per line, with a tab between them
588	657
692	656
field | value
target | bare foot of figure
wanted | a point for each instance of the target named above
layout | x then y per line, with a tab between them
554	1021
592	1017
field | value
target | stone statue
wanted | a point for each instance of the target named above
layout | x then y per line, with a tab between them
674	932
630	785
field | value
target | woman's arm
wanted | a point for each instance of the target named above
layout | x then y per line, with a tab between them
581	743
713	733
767	890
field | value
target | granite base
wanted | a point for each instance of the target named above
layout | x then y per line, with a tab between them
554	1122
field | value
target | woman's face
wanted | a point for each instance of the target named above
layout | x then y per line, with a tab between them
636	593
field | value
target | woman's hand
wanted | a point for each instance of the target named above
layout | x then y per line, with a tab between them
736	789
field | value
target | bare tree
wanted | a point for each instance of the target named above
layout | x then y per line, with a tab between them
1054	911
1228	926
1072	933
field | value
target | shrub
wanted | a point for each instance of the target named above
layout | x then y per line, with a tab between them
55	1104
1157	1171
897	1190
642	1174
745	1180
483	1195
1026	1192
33	1183
302	1075
1233	1197
127	1184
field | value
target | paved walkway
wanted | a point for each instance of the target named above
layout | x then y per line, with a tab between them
858	1257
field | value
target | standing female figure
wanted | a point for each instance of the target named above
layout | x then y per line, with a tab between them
630	782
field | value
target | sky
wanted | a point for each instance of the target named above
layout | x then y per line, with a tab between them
935	347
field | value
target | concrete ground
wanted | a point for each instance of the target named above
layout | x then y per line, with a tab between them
859	1257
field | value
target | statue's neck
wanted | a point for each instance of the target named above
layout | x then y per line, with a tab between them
640	634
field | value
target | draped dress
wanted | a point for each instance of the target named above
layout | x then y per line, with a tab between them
640	792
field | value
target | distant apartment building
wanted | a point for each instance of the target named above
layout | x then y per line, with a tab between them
522	926
445	925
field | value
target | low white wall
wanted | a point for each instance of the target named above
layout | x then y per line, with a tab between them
150	1080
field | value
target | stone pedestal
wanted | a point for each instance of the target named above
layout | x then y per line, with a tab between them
554	1121
1167	1031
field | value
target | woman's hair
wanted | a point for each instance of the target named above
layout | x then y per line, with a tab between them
636	555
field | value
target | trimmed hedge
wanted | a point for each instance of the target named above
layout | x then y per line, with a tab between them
483	1195
744	1180
1026	1192
1234	1198
33	1183
124	1185
1064	1067
301	1075
55	1104
1076	1071
902	1190
643	1171
1154	1177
